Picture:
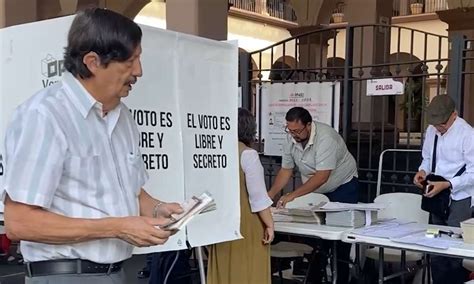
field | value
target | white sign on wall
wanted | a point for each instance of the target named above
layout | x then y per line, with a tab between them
320	99
382	87
182	74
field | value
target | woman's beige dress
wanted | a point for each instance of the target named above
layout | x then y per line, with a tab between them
245	261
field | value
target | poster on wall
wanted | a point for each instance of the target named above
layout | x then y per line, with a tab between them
183	137
322	100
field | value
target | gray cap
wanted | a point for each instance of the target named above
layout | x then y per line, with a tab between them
439	110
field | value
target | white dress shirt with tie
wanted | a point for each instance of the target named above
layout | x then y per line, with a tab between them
455	148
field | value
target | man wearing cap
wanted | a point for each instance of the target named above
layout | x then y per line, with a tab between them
454	149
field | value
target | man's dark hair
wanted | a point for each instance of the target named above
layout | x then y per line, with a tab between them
247	127
296	114
112	36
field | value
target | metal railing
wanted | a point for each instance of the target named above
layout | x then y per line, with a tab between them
369	125
273	8
415	7
280	9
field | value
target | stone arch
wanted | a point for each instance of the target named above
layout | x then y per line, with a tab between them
337	62
404	69
284	62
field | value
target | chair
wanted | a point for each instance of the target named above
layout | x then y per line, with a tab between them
403	206
292	250
469	265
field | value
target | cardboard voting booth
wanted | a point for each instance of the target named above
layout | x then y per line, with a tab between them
187	96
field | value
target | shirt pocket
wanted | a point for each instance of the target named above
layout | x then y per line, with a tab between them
83	173
136	172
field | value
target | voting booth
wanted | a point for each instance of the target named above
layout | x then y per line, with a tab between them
185	106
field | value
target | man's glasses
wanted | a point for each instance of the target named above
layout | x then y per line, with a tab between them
294	132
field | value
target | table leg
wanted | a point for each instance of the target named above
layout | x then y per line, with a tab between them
201	265
357	264
404	265
380	265
334	262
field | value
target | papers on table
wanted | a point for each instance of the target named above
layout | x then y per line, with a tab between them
350	218
332	213
391	229
407	233
349	214
304	214
338	206
443	242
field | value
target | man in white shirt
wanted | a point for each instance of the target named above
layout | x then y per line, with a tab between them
454	150
74	176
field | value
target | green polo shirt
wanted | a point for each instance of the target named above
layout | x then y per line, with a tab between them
325	150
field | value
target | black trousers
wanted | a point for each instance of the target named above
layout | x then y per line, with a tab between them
449	269
347	193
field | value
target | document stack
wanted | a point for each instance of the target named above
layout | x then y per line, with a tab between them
305	214
350	215
349	218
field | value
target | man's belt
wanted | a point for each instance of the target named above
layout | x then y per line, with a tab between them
69	266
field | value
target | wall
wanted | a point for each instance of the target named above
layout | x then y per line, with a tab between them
250	35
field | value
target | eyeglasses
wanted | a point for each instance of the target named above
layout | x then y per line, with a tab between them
294	132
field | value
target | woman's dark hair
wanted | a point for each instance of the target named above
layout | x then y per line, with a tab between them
247	127
298	114
112	36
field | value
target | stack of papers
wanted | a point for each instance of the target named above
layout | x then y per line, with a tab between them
352	215
444	242
192	207
391	230
339	206
350	218
305	214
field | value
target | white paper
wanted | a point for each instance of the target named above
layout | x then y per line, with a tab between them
339	206
444	242
390	230
368	218
192	207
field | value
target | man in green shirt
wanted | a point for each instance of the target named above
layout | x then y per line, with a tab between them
325	164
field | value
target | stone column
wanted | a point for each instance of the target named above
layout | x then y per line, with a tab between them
373	47
15	12
461	24
312	49
205	18
311	15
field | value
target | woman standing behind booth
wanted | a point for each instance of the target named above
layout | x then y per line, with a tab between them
246	260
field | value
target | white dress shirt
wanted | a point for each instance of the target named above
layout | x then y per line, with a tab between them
255	181
63	155
454	149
